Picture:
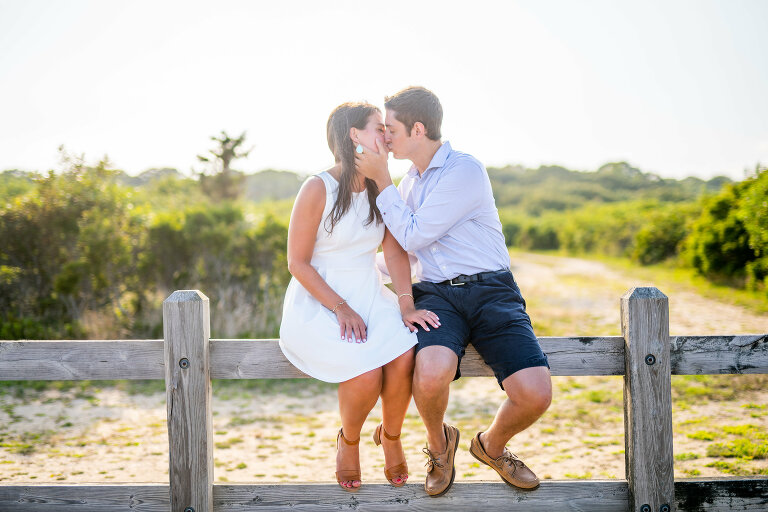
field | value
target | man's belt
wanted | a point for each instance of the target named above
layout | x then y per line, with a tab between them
464	279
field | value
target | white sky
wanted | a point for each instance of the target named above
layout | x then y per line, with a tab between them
674	87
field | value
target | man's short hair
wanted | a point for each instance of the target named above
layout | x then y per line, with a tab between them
417	104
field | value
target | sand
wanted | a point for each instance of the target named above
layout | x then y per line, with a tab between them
287	434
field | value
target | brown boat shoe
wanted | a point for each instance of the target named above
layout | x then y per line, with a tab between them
511	469
441	470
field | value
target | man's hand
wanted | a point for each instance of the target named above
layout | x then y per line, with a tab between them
373	164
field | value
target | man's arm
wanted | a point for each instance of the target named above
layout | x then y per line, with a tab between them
455	197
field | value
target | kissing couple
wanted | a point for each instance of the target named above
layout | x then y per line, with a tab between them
341	324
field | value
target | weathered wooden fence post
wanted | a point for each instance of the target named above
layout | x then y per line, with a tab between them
186	327
648	400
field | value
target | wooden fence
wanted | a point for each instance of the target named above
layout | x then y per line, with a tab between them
188	359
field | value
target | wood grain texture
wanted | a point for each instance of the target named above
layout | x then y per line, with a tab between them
84	498
647	399
552	496
81	359
692	495
252	359
186	327
694	355
715	494
262	359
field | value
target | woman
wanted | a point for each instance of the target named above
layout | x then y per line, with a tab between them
340	323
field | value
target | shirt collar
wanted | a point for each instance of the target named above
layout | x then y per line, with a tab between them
438	160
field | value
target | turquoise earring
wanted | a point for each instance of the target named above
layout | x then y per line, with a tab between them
359	149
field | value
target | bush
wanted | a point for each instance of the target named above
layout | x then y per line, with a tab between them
753	213
730	238
539	236
662	234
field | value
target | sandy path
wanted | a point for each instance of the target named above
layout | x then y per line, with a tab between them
288	433
588	289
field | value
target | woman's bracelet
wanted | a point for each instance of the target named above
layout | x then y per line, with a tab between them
337	306
403	295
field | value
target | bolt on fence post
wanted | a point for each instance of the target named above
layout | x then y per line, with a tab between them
187	331
648	400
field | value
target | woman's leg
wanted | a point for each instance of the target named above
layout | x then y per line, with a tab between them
357	397
395	398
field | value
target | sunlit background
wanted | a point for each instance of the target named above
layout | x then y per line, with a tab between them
675	88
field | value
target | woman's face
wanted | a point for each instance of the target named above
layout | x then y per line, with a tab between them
374	129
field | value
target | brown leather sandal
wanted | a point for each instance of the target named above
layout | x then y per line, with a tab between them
395	471
347	475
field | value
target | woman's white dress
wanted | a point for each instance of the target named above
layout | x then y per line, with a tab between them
310	336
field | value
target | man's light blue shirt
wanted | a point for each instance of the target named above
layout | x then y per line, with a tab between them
446	217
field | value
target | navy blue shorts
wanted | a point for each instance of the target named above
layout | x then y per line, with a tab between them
490	314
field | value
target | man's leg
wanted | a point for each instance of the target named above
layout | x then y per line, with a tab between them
432	376
435	369
437	358
503	335
529	393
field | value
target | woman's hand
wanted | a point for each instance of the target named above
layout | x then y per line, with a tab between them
422	317
351	324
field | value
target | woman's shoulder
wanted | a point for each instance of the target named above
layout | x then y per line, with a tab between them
313	189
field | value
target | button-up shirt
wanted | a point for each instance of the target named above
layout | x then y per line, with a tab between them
446	217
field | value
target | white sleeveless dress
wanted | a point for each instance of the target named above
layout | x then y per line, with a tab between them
310	336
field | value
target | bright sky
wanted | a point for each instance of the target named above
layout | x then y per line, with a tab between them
676	88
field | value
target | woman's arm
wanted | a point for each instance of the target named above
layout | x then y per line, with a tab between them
400	272
305	219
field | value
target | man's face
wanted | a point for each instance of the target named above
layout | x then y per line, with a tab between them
396	137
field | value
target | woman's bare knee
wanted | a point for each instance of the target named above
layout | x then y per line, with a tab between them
401	365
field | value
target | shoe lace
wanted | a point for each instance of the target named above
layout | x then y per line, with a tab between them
511	459
431	460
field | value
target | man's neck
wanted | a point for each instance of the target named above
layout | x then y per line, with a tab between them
422	159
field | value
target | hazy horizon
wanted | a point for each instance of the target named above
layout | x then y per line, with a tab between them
674	89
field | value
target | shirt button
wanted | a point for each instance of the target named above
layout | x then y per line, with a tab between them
442	267
434	249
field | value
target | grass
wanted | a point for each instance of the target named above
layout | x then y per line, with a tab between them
697	389
737	469
223	389
578	476
741	448
669	275
703	435
225	445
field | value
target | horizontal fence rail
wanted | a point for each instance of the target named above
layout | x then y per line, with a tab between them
699	494
187	359
262	358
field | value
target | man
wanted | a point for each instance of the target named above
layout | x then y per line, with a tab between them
444	213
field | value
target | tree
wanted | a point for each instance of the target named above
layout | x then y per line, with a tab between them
225	183
753	212
70	245
718	245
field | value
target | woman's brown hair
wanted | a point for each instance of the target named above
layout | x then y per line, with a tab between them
344	117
